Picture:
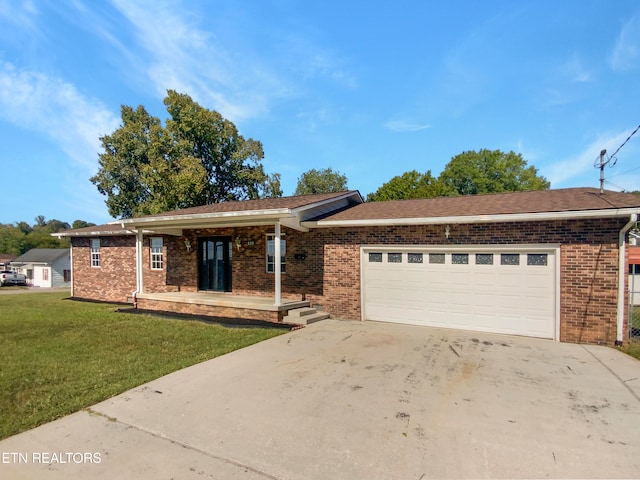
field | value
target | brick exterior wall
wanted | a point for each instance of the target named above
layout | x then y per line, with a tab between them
115	279
329	275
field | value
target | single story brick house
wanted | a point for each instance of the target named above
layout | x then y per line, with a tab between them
549	264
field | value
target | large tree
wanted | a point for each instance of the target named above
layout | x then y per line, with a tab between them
489	171
321	181
411	184
197	158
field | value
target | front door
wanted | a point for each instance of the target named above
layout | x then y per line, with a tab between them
214	264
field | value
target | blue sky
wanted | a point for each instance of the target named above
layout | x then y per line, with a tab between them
370	88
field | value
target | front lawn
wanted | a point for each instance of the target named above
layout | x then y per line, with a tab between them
58	356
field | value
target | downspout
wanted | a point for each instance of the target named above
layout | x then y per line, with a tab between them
621	277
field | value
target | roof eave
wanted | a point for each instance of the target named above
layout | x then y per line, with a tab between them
204	219
96	233
460	219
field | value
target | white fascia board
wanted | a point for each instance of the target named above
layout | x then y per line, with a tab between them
206	219
97	233
499	218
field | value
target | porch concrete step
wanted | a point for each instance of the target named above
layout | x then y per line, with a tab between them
304	316
301	312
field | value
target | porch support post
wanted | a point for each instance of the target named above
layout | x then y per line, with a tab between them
277	264
139	262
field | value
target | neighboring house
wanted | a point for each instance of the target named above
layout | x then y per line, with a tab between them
5	261
549	264
45	267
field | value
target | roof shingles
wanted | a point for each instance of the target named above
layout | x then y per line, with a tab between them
540	201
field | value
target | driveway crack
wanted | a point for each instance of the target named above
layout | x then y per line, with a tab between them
623	382
187	446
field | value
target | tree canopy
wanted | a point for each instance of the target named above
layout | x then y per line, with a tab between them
197	158
411	184
18	238
469	173
321	181
490	171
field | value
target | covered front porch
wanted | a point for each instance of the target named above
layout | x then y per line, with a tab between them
222	305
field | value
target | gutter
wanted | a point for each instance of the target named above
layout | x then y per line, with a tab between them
461	219
622	250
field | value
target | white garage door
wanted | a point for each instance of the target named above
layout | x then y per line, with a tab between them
500	290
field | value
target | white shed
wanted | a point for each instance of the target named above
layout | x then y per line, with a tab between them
45	267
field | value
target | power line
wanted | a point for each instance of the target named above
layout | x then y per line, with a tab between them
628	138
622	173
611	160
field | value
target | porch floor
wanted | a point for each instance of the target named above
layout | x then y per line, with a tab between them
216	299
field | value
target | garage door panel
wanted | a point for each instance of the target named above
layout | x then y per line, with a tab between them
503	298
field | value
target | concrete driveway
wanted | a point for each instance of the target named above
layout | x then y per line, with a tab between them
353	400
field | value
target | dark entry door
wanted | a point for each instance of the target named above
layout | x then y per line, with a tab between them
215	264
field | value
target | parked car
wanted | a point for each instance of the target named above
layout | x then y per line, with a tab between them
7	277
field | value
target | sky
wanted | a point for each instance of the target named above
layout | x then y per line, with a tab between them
370	88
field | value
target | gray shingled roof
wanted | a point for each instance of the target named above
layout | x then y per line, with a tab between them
41	255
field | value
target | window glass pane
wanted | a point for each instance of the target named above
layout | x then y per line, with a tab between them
95	252
271	253
436	258
156	253
394	258
510	259
460	258
375	257
484	258
414	258
536	259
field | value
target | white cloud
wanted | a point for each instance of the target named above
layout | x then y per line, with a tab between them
19	13
575	70
405	126
626	53
218	66
191	60
53	107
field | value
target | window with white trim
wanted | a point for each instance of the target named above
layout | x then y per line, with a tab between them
156	253
95	252
271	249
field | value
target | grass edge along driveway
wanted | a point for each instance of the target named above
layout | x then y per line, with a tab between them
58	356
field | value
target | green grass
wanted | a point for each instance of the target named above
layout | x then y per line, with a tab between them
633	346
58	356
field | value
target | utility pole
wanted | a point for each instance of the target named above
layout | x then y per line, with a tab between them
602	164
